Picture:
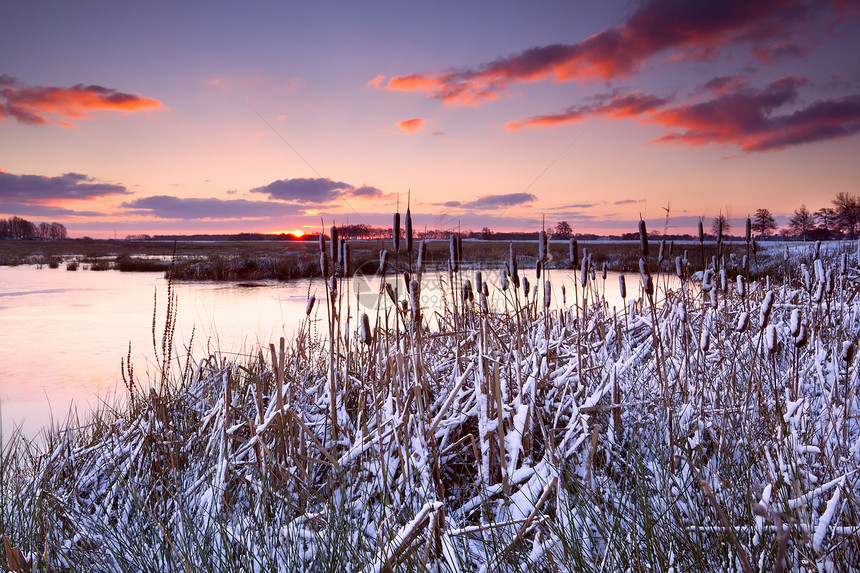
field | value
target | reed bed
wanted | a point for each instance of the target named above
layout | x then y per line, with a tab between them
708	427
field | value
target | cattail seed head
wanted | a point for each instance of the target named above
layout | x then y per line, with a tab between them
605	271
701	232
771	339
504	280
364	329
801	338
485	306
408	230
643	239
322	242
542	246
741	286
748	230
743	322
547	294
332	233
324	264
794	323
660	251
563	295
707	280
817	252
310	306
345	260
452	247
389	290
383	262
479	281
705	340
467	290
422	255
679	270
537	270
847	351
583	275
622	286
485	289
332	286
766	307
415	299
396	232
574	253
526	286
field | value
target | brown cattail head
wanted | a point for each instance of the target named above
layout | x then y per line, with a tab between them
701	232
408	230
537	270
622	286
643	238
324	263
542	246
383	262
574	254
396	232
454	257
333	255
322	242
310	306
749	230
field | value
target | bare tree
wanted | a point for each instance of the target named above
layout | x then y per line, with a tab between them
763	222
847	209
802	222
563	230
720	225
826	217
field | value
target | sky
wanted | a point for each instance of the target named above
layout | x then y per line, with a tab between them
121	118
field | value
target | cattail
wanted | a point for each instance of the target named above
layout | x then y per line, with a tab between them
723	280
310	306
322	242
706	280
563	295
771	339
817	250
547	294
574	253
847	351
743	322
682	313
741	286
818	295
534	292
745	261
324	263
785	255
537	270
749	230
526	286
383	261
671	248
843	264
485	307
390	292
345	259
660	251
415	299
801	338
404	305
396	232
512	262
422	254
485	289
713	297
453	253
819	271
705	340
604	271
504	280
583	276
364	325
333	286
622	286
766	307
332	233
542	246
406	279
828	281
643	238
686	259
479	281
647	282
408	230
701	232
794	323
467	290
807	278
679	270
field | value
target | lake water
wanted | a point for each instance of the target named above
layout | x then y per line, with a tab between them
63	333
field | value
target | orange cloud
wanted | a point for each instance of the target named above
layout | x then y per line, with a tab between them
411	125
41	105
616	107
375	82
683	30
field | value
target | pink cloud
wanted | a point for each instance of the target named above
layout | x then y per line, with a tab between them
411	125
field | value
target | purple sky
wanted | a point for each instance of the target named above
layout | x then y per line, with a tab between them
165	117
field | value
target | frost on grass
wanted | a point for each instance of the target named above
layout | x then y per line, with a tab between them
686	432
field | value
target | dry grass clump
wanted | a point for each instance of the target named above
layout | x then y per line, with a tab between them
697	429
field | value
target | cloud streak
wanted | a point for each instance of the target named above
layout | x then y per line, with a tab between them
57	105
680	29
411	125
195	208
317	191
494	201
42	190
730	113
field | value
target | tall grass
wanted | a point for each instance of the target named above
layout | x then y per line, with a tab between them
705	427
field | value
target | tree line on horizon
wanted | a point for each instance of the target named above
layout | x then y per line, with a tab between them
840	220
19	228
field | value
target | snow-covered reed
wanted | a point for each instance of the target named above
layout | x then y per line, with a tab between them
499	433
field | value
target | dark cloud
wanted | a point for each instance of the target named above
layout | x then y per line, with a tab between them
616	107
314	191
499	201
749	118
733	114
685	30
627	201
46	211
39	189
168	207
40	105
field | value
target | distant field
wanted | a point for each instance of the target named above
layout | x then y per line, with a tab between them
240	260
